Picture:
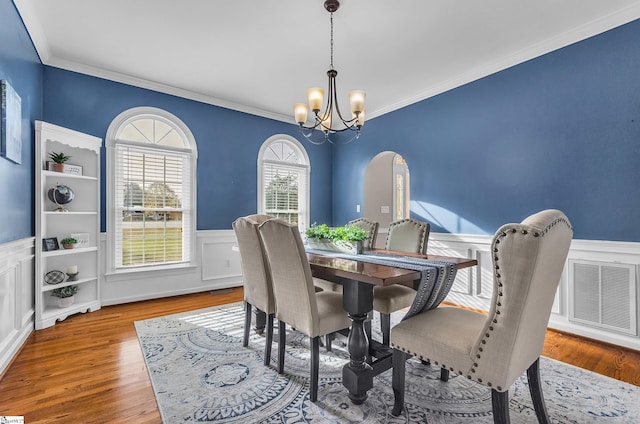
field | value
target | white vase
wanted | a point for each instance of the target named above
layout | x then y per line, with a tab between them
65	302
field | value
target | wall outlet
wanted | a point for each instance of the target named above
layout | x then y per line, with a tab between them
358	208
384	209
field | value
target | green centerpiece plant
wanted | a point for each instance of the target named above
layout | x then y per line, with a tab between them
347	239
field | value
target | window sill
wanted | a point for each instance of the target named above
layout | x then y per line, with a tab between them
149	271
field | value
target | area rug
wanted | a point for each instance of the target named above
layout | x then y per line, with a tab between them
201	373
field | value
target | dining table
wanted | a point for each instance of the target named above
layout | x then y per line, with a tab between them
359	274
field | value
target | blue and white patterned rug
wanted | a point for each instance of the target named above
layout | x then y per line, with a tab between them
201	373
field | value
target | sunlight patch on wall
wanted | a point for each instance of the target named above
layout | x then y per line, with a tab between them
444	218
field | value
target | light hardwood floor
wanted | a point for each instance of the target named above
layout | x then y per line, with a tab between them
89	368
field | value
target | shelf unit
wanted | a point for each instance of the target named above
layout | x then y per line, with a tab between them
83	216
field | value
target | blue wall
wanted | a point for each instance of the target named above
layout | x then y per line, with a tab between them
560	131
21	67
228	142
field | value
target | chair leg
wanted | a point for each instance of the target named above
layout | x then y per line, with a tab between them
444	374
533	375
500	407
398	360
385	326
267	346
247	323
282	340
328	338
315	366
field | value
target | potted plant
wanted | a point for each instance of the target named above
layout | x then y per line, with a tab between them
58	160
65	295
69	242
347	239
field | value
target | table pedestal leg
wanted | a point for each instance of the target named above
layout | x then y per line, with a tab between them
357	375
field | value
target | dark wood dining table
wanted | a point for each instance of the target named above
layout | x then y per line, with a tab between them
367	358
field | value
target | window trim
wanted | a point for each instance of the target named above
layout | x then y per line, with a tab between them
116	124
306	165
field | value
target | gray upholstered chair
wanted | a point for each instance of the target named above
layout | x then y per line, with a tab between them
407	235
258	291
297	303
371	227
495	349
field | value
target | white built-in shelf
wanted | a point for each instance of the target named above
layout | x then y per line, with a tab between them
83	217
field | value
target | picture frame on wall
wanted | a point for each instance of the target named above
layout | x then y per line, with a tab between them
10	123
49	244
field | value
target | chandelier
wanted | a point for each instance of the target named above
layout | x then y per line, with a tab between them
331	112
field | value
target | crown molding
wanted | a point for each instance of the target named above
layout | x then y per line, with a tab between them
595	27
590	29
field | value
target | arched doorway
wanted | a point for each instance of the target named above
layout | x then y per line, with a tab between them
386	189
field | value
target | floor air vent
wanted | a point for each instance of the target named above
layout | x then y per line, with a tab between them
603	295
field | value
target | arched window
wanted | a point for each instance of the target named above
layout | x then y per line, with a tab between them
283	180
151	158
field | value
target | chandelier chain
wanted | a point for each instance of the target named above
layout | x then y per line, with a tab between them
331	65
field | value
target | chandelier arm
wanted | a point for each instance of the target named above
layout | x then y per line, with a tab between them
308	136
337	106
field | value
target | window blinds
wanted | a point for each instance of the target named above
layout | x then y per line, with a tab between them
152	206
284	192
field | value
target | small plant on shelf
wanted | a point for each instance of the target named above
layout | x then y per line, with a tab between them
69	242
58	160
59	157
63	292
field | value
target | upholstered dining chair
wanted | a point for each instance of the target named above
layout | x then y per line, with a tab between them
495	349
258	291
297	303
406	235
371	227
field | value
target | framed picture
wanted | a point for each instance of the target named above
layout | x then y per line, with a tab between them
50	244
10	123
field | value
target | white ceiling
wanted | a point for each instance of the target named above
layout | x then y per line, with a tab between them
260	56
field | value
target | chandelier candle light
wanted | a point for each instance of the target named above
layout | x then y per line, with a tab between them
316	96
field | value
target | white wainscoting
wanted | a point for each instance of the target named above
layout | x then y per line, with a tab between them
216	266
17	307
611	294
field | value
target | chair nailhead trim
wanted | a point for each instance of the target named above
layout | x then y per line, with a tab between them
500	293
499	283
